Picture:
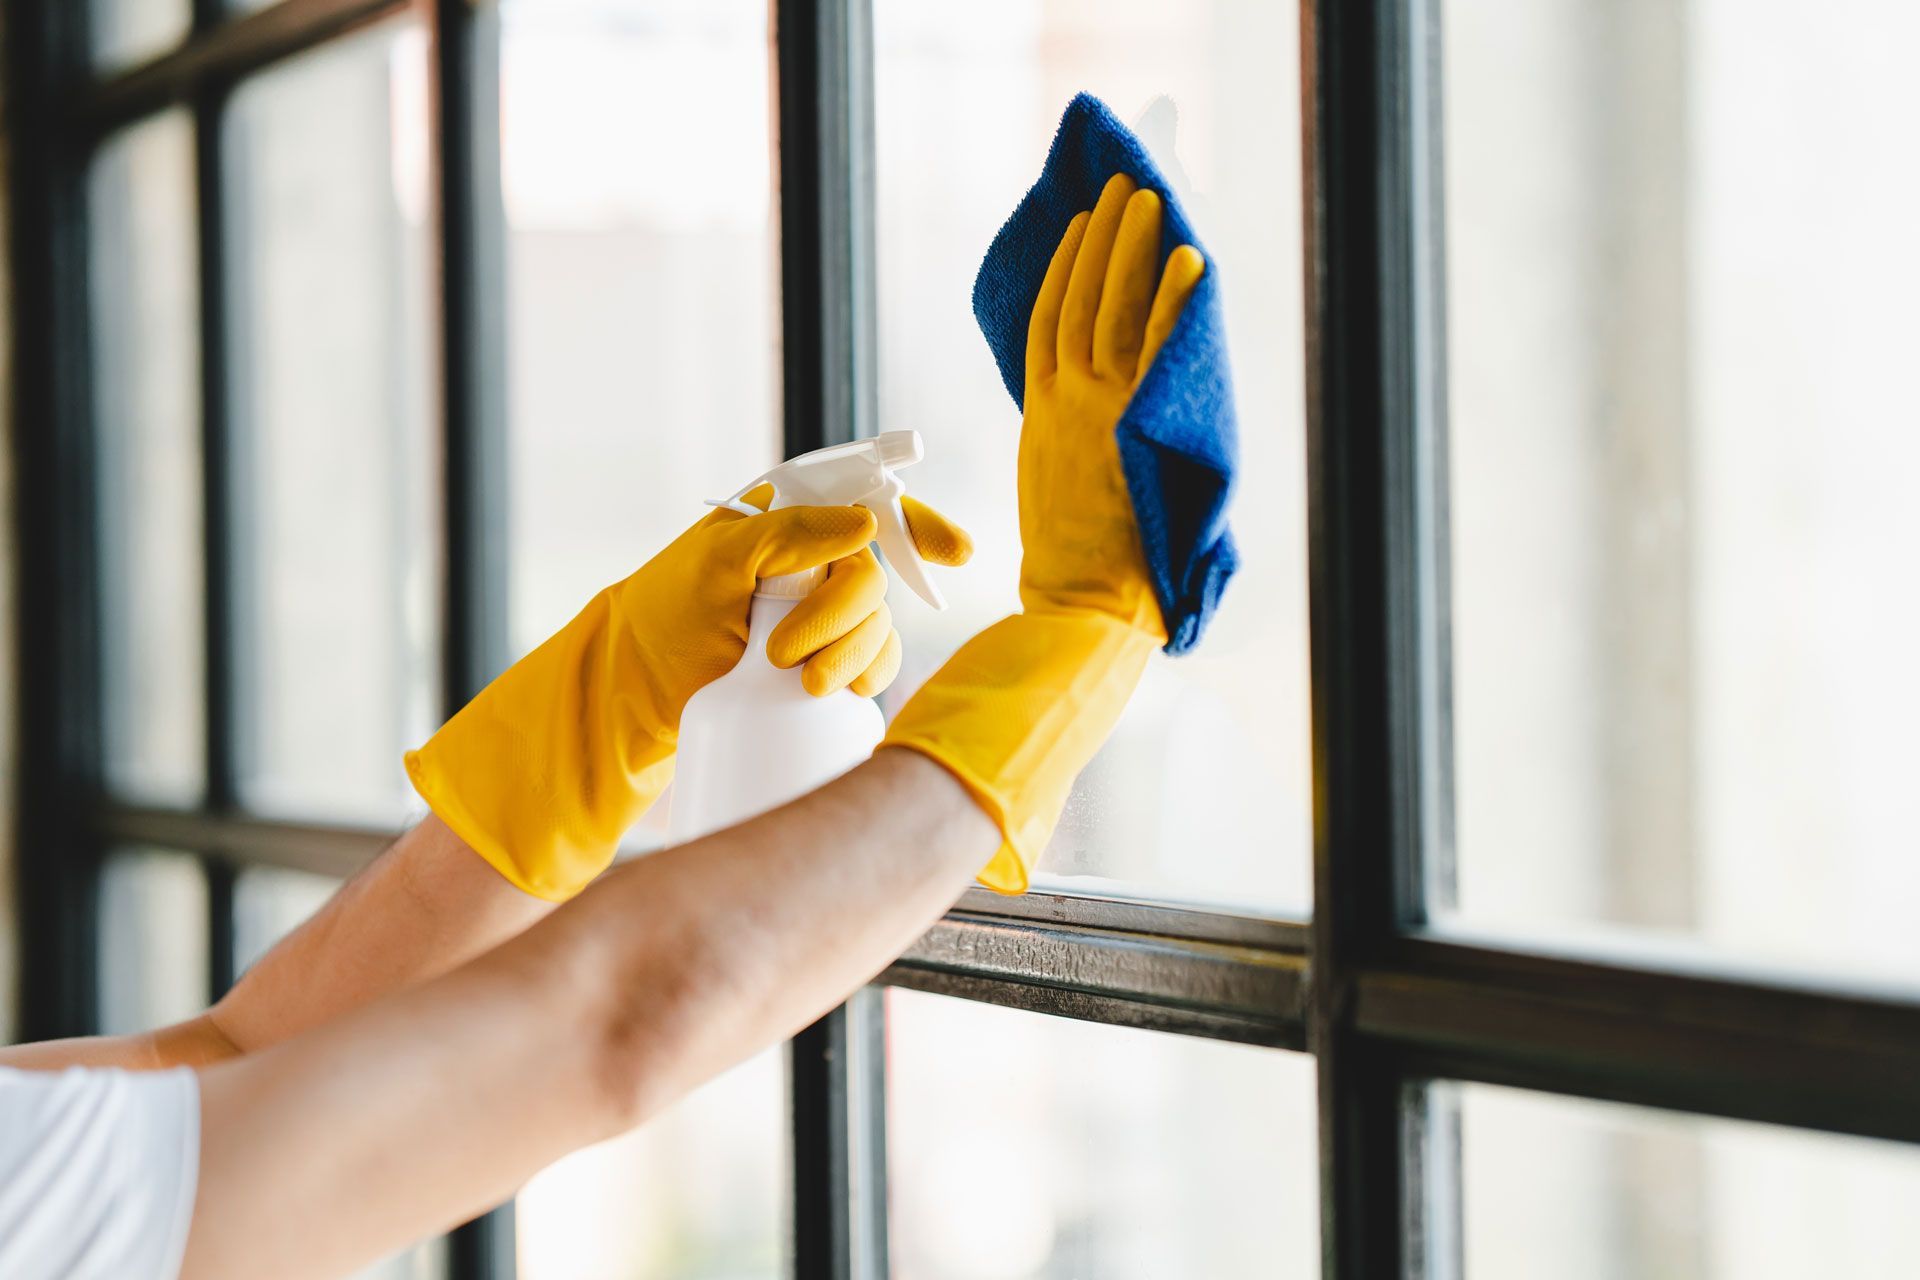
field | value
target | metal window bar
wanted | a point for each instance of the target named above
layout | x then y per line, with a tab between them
57	863
1376	747
1694	1035
469	225
836	1069
221	573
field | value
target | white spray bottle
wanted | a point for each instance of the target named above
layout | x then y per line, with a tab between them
755	739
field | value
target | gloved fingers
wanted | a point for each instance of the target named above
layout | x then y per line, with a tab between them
1089	275
1120	327
1043	327
795	538
761	496
881	671
1184	269
937	539
834	667
854	588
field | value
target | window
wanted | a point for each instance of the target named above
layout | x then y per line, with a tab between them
1555	1186
1678	432
1412	928
1022	1145
1204	791
326	207
146	385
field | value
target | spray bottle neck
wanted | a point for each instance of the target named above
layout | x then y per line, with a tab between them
789	586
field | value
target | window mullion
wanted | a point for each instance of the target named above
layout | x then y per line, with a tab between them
464	145
836	1071
222	929
216	437
1377	598
57	641
220	572
472	264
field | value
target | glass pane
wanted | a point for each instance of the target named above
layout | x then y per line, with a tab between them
1204	790
268	904
698	1193
146	402
1011	1155
152	940
332	423
1593	1191
1680	261
643	286
128	31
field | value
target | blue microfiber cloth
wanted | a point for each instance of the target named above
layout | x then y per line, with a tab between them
1178	442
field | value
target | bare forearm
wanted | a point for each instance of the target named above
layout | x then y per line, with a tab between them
425	1107
193	1043
425	906
754	933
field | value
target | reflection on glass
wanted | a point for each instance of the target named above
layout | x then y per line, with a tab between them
1203	791
125	32
698	1193
1682	427
332	418
1025	1147
268	904
1594	1191
146	404
152	940
643	321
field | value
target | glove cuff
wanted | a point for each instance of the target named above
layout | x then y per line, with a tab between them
544	771
1017	713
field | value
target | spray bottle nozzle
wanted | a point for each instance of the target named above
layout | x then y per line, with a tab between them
856	474
899	448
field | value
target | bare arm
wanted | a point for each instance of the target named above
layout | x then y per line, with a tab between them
425	1107
423	907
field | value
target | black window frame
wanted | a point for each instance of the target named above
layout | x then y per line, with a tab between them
1385	1001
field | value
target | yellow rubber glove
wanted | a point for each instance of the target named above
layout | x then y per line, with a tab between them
1021	708
545	770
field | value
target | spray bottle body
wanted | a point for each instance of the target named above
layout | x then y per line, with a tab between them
755	739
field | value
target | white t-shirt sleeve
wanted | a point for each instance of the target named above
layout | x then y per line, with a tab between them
97	1172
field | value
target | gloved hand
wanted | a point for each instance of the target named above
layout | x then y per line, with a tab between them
1021	708
544	771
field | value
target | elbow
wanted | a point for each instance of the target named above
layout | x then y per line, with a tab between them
650	1042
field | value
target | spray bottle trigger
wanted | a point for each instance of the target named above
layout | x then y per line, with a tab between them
896	542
